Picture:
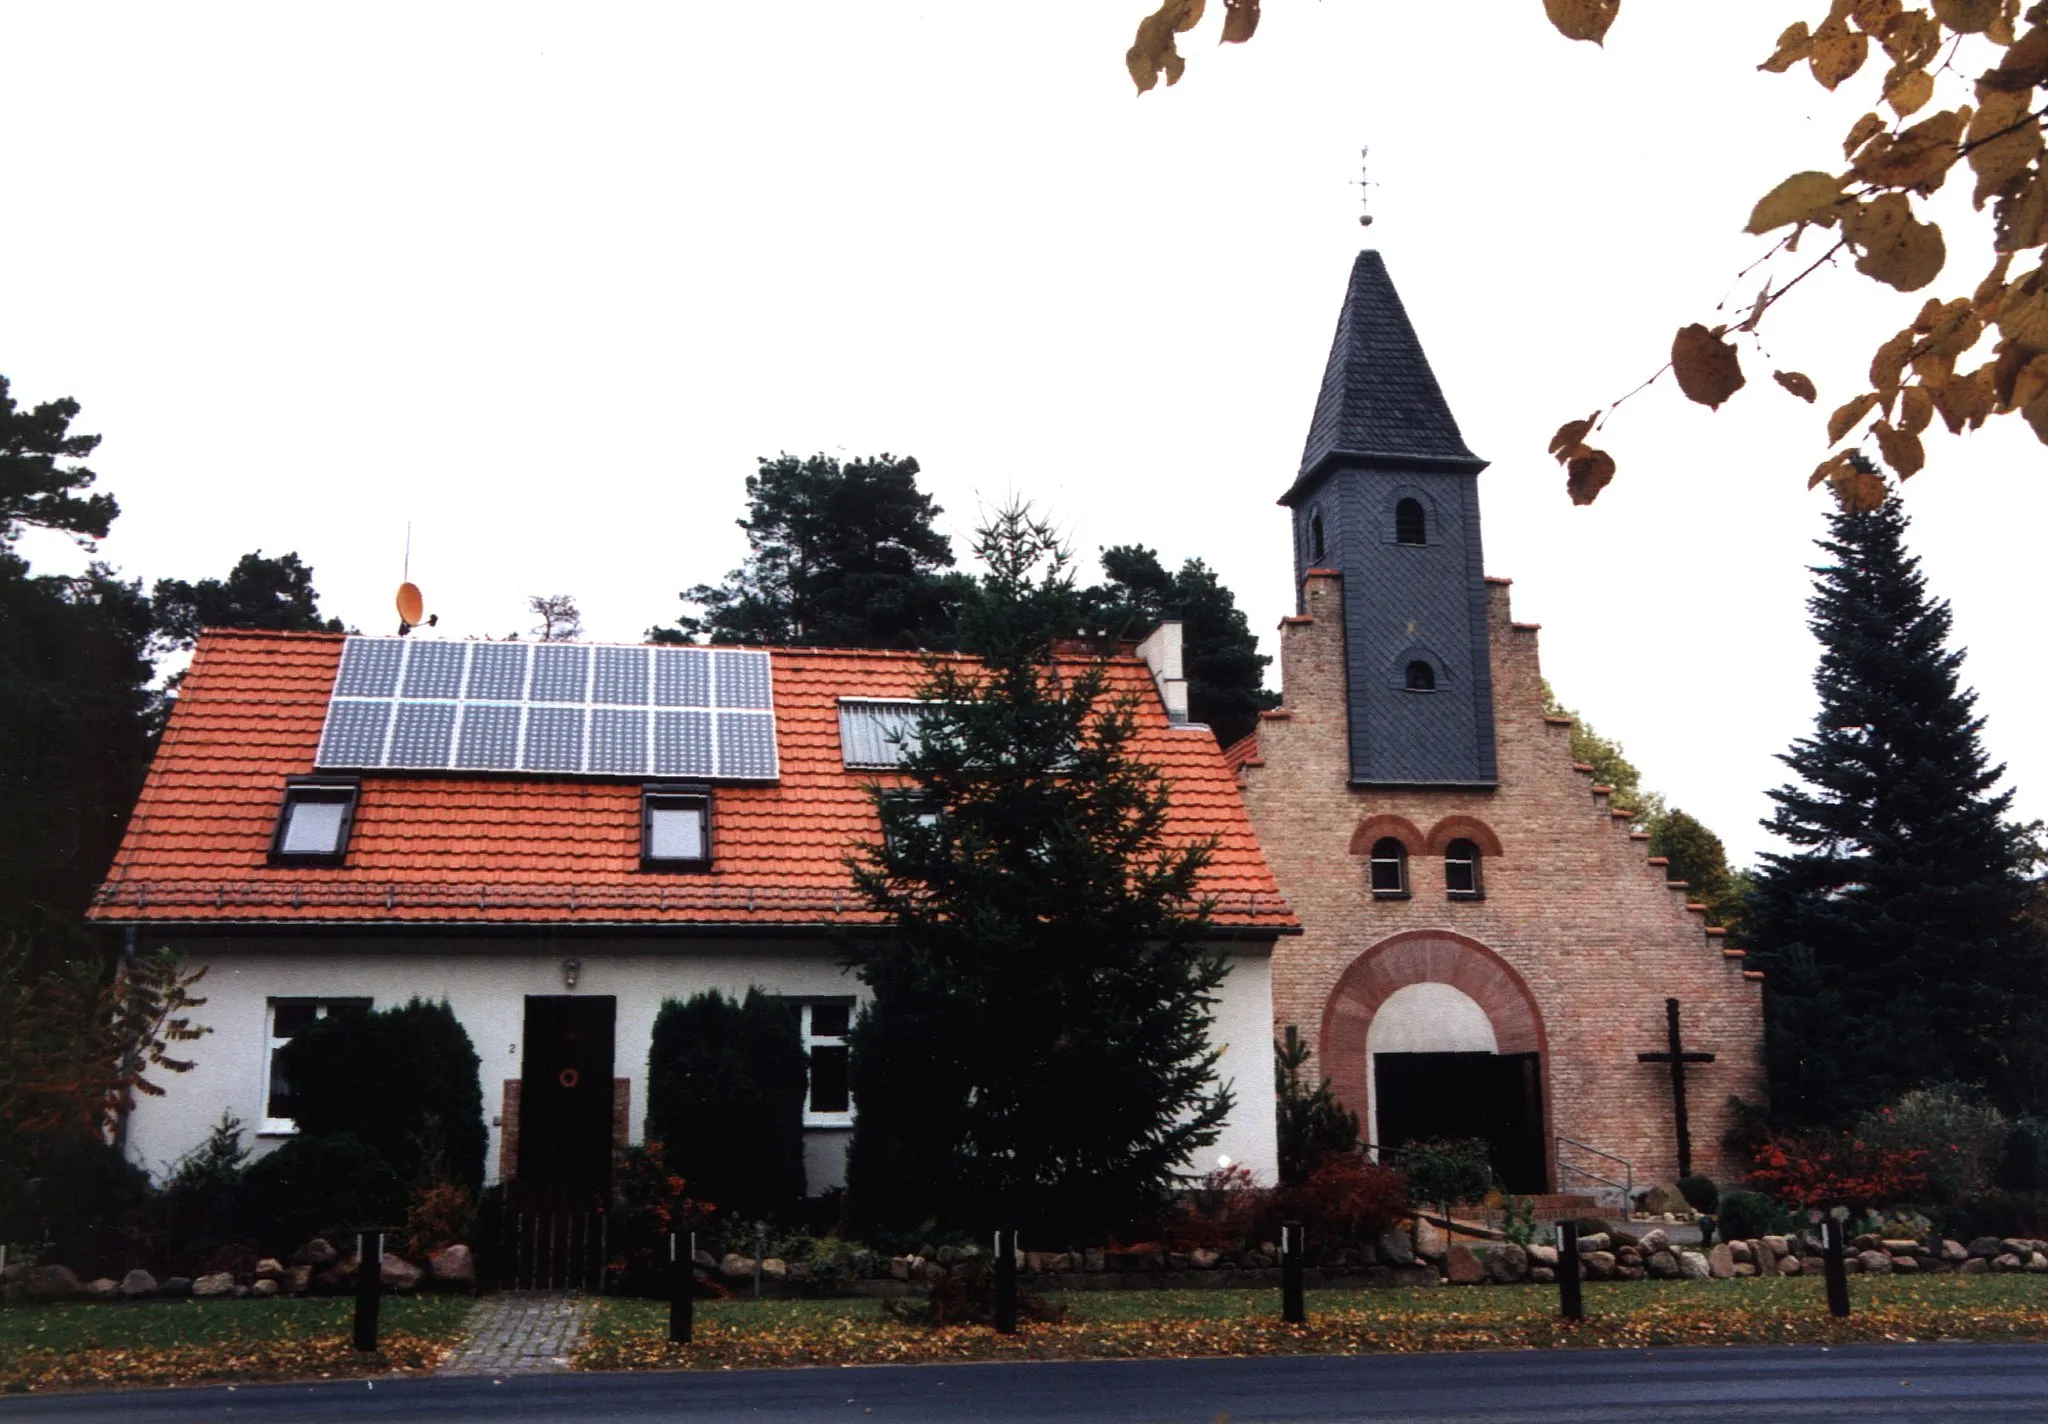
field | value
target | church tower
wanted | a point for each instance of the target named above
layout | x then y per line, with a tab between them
1388	497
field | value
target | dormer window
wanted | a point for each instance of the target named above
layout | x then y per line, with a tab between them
1411	526
1461	871
1421	677
314	822
1389	869
675	828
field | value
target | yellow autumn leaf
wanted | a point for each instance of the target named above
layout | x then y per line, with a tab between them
1240	20
1964	401
1912	39
2024	65
1967	17
1996	160
1804	197
1798	383
1153	52
1894	247
1848	414
1708	369
1916	408
1826	469
1860	133
1837	53
1588	474
1793	45
1908	90
2023	315
2031	384
1917	158
1901	451
1582	19
1871	16
1888	366
1571	436
1857	491
2021	216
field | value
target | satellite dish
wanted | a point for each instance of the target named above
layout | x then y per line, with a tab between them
411	607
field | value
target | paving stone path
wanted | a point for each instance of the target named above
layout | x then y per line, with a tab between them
518	1332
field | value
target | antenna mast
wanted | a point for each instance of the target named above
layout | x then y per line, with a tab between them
1364	189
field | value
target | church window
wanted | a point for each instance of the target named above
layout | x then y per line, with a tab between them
1389	869
1410	524
1315	536
313	826
289	1018
1421	677
675	828
829	1099
1461	871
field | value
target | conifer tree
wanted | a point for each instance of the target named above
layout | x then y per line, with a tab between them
1036	1046
1893	936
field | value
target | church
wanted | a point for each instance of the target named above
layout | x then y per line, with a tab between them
1488	948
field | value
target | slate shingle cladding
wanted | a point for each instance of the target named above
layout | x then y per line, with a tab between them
1382	432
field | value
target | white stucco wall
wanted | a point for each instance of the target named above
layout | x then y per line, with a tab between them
486	983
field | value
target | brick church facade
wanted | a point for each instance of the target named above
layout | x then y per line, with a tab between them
1488	945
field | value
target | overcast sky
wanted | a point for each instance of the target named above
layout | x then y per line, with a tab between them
545	281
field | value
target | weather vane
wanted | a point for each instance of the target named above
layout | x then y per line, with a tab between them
1364	189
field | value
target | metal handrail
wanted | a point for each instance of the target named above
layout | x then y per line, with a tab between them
1627	1187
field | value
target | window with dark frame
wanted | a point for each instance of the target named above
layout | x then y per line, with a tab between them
828	1102
288	1018
906	816
1421	677
675	828
313	823
1461	871
1389	869
1411	526
1315	536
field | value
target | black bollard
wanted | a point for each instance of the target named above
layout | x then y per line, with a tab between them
682	1287
1832	1232
1006	1280
369	1285
1571	1301
1292	1309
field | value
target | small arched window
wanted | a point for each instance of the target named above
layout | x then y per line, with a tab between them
1421	677
1389	869
1315	536
1461	871
1410	525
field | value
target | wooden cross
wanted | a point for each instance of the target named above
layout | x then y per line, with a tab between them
1677	1057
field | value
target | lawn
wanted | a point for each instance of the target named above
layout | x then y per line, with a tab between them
1120	1324
195	1341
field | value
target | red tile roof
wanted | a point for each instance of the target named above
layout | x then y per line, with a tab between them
524	849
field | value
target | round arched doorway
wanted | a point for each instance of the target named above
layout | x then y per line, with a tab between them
1433	1035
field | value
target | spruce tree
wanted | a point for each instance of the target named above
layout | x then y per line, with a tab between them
1893	936
1036	1046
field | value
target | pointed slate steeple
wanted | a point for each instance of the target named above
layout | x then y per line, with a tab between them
1388	497
1380	405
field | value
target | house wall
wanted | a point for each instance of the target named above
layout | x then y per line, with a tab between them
486	979
1574	949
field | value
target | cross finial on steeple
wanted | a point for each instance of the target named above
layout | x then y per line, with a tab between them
1364	190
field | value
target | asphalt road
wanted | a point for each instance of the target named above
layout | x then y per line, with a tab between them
1875	1384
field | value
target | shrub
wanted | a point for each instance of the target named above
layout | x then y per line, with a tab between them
313	1186
1225	1208
1350	1199
1830	1169
2023	1165
966	1295
1451	1170
1960	1138
438	1214
403	1081
1700	1193
201	1207
1314	1126
1746	1215
726	1081
649	1202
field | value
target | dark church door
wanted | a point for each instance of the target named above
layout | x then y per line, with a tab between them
1495	1096
565	1103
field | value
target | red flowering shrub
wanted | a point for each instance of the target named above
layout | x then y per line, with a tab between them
1829	1169
1348	1199
1225	1210
439	1214
649	1203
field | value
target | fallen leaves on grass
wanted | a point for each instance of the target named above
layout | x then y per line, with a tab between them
36	1368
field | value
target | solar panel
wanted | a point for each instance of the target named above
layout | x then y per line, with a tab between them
554	708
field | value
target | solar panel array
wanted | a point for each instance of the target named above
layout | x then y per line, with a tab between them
589	709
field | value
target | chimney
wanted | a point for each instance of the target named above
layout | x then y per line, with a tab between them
1161	651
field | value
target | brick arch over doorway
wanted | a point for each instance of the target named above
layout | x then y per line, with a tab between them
1425	957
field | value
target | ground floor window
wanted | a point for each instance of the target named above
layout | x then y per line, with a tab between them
287	1018
830	1099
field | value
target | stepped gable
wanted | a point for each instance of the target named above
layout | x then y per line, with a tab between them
523	848
1380	403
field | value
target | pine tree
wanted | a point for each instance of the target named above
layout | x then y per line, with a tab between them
1893	936
1036	1046
258	592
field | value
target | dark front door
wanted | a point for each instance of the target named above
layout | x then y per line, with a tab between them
565	1102
1494	1096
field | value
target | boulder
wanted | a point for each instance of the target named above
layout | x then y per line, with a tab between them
736	1267
264	1289
1740	1252
1624	1237
899	1267
778	1268
2010	1261
1629	1273
1629	1256
1654	1241
949	1256
219	1283
1542	1275
1745	1269
1954	1252
2038	1261
399	1274
1868	1241
1598	1265
1721	1262
1093	1259
1430	1240
270	1269
178	1287
1462	1267
51	1283
1812	1265
1598	1241
1987	1246
1203	1259
1777	1246
1507	1264
1663	1200
1790	1265
1693	1266
1875	1262
1541	1255
704	1260
1975	1266
453	1266
2019	1246
103	1288
1661	1265
1905	1265
339	1276
137	1284
1395	1248
299	1279
316	1253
